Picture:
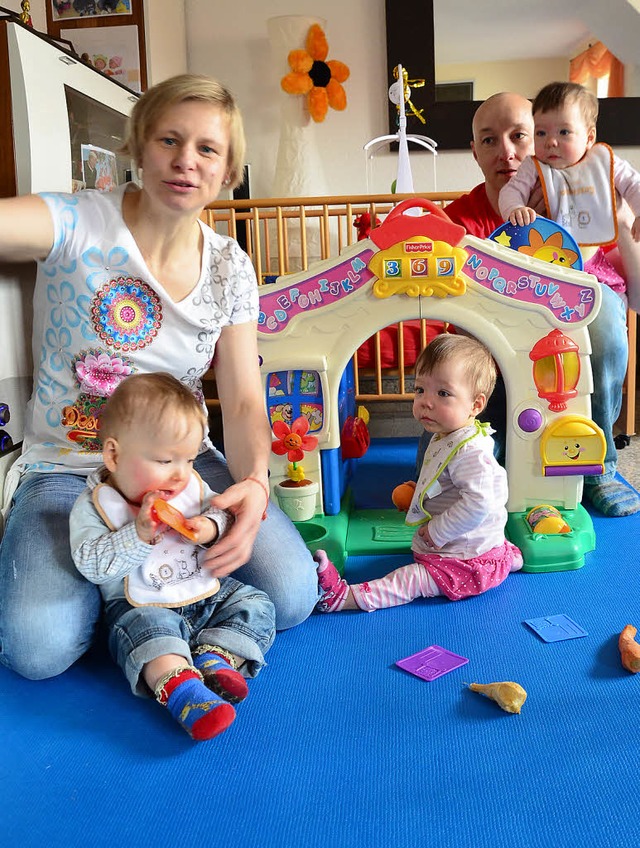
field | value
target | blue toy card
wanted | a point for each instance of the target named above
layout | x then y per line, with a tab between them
555	628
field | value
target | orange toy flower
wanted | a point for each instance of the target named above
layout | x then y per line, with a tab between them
321	81
293	440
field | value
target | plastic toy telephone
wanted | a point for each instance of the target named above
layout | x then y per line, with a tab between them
354	438
173	518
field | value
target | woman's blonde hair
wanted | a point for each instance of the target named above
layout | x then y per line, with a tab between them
156	100
150	401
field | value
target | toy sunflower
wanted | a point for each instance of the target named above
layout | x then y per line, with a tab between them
321	81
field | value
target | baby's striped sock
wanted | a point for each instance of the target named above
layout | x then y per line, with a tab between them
218	669
202	714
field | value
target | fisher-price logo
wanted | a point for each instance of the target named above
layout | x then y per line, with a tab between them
418	247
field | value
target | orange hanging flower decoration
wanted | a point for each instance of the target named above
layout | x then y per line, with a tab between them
310	74
293	440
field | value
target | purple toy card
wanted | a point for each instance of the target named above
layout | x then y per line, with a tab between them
432	662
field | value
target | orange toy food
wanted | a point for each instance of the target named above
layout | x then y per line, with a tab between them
629	649
173	518
402	495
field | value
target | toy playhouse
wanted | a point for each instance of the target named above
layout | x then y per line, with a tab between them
519	292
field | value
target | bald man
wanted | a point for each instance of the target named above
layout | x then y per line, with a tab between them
502	137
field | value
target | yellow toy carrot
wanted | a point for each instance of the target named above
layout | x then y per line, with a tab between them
508	695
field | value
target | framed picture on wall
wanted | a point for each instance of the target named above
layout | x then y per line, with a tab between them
68	10
99	168
81	21
112	50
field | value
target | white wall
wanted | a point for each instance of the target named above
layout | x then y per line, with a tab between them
523	76
234	47
231	43
229	40
165	34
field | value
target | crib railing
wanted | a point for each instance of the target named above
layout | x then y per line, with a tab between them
286	235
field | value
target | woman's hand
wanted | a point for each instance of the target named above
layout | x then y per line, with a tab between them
247	502
247	445
26	228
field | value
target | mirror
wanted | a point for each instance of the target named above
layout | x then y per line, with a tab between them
410	41
522	52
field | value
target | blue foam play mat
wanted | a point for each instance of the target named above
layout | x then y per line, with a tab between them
337	746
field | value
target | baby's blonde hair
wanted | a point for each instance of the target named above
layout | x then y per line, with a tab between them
150	401
479	367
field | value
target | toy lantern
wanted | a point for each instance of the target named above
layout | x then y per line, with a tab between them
556	369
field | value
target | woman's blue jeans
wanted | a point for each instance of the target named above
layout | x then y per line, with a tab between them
49	612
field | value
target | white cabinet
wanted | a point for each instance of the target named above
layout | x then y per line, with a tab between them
57	104
50	105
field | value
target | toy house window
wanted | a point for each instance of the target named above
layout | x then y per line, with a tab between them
294	393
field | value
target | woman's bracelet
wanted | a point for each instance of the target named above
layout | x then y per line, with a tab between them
264	489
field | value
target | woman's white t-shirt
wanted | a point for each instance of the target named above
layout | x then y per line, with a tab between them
100	315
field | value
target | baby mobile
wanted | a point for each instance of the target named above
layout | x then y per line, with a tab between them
400	95
402	91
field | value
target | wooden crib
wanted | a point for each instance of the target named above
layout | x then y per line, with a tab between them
286	235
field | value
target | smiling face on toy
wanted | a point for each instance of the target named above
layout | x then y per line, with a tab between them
572	444
293	441
573	450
